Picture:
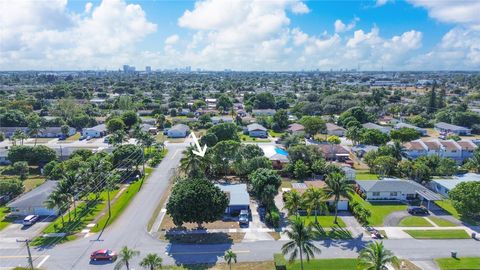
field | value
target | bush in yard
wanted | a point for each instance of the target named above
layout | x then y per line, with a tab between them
272	217
466	198
11	187
280	262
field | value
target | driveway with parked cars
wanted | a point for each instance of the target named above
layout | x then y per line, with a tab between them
17	230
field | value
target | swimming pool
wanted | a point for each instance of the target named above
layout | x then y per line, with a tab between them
281	151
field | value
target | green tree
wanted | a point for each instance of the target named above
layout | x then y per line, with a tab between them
301	242
230	257
301	171
354	134
473	163
152	262
376	257
192	164
224	102
314	199
334	139
21	168
446	167
115	124
432	102
224	132
130	118
405	134
373	137
196	200
313	124
337	186
281	118
263	180
264	100
385	165
57	200
124	257
466	198
293	202
65	129
209	139
34	126
11	187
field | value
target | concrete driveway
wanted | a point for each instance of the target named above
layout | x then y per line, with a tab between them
16	230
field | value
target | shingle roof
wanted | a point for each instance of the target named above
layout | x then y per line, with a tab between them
448	126
296	127
415	145
467	145
180	127
450	145
34	198
332	127
450	183
256	126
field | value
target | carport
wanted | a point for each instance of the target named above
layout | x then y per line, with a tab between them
428	196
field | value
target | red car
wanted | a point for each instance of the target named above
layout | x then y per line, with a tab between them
103	254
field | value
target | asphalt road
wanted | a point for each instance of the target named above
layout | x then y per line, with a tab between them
130	230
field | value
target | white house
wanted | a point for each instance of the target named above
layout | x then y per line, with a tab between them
382	129
443	186
422	131
264	112
257	130
449	128
97	131
389	189
221	119
33	202
178	131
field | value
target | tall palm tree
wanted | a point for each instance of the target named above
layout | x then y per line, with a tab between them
230	257
192	164
473	162
124	257
314	199
34	126
397	150
376	257
337	186
19	135
146	140
152	262
57	200
293	201
301	243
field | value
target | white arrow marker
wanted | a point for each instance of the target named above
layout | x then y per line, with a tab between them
199	151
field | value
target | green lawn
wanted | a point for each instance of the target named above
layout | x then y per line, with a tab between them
460	263
3	221
33	182
337	264
121	203
275	134
442	222
324	221
365	175
379	210
74	137
448	207
438	234
414	222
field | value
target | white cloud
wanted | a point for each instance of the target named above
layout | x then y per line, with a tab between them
341	27
171	40
43	34
88	7
379	3
452	11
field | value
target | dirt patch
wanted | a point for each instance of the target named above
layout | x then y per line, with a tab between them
275	235
204	238
167	224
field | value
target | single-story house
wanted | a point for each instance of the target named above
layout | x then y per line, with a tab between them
178	131
257	130
9	131
335	130
296	129
350	173
394	189
55	132
302	187
443	186
333	151
221	119
382	129
97	131
449	128
4	157
278	156
360	150
33	202
263	112
149	128
422	131
238	196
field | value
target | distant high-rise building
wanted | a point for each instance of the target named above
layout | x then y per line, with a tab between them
188	68
148	69
128	69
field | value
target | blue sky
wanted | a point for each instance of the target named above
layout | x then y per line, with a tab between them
241	34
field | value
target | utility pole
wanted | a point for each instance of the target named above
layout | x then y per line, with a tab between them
30	261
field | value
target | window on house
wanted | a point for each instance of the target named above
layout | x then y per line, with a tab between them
376	193
393	194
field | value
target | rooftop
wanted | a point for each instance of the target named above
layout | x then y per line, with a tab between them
237	193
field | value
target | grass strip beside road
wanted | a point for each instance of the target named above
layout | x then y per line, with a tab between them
442	222
121	203
337	264
379	210
438	234
4	221
448	207
414	222
324	221
459	263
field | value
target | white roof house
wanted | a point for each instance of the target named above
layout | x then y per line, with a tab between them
443	186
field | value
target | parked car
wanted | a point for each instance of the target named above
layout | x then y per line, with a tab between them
244	217
30	220
417	210
103	254
83	137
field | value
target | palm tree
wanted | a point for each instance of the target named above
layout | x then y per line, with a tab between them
473	162
19	135
152	262
146	140
397	150
376	257
314	199
230	257
337	186
112	180
124	257
34	126
301	243
192	164
293	202
57	200
118	137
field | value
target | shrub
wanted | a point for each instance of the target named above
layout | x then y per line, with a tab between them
280	262
272	217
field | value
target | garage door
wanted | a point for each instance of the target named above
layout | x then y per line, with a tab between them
343	205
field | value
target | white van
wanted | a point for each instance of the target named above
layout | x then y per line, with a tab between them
30	220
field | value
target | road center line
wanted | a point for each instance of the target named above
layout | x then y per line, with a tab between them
207	252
